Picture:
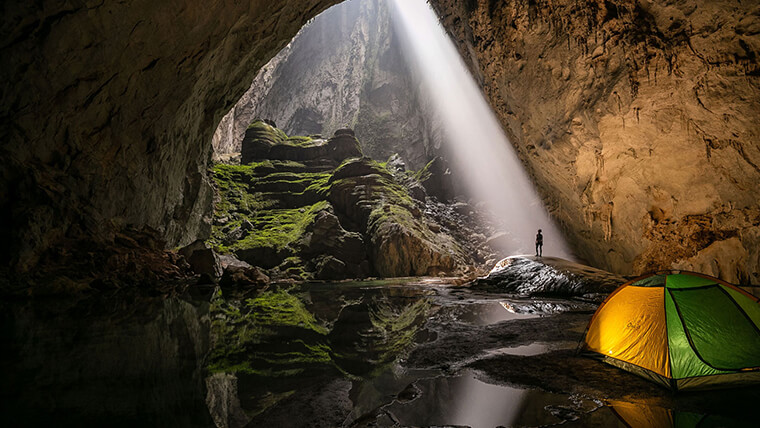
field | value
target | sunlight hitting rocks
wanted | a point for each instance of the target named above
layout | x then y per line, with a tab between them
478	146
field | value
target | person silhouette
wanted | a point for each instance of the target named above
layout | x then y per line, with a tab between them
539	244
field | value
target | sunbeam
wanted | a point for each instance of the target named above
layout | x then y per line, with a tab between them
479	148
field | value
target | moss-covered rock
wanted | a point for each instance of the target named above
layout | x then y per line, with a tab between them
316	210
263	141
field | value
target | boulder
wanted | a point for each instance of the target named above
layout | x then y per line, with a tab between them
243	276
549	276
203	260
227	260
327	236
398	249
329	268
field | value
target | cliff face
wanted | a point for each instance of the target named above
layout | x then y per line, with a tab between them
637	119
108	110
345	68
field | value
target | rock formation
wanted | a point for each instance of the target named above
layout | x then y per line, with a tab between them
637	119
312	208
345	68
550	276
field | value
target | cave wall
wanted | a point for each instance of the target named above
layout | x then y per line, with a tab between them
108	109
638	121
344	69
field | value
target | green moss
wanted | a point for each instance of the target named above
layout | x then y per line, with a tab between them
243	196
277	228
397	326
266	132
270	335
424	173
300	141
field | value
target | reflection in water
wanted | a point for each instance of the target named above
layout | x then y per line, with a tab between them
645	416
313	355
482	313
461	400
130	361
535	348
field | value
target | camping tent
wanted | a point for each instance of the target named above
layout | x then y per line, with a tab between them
680	329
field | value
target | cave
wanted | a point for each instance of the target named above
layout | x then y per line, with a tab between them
301	213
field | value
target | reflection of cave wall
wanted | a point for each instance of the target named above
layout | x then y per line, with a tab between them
108	110
639	122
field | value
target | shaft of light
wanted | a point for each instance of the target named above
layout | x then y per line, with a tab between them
478	146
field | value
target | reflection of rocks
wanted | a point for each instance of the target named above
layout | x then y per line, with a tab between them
546	307
548	276
223	401
367	336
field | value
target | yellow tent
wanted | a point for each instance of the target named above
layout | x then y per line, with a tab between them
682	330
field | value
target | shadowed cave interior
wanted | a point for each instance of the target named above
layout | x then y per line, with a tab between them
324	213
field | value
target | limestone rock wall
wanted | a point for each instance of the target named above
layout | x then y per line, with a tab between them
108	110
344	69
638	121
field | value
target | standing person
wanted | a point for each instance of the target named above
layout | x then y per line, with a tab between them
539	244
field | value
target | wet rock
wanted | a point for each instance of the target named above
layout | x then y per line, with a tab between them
548	276
203	260
328	267
243	277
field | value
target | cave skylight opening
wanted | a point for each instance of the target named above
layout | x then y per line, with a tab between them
480	150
